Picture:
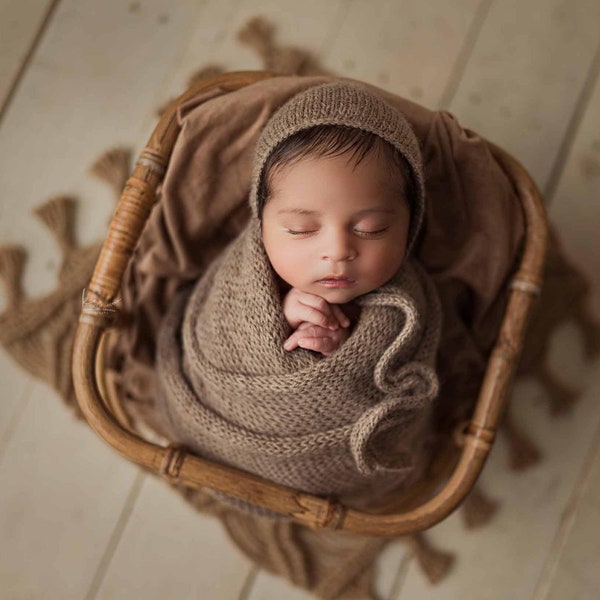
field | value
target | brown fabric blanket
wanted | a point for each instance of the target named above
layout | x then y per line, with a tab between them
352	422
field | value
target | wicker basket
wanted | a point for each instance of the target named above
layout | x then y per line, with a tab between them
458	464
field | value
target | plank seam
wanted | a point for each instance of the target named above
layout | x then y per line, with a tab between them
39	34
248	583
16	418
337	23
543	586
465	53
401	575
572	128
115	537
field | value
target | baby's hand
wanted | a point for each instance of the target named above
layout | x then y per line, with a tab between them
317	338
300	307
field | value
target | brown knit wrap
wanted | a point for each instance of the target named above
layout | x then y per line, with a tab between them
350	105
333	425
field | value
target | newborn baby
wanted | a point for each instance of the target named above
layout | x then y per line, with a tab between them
306	352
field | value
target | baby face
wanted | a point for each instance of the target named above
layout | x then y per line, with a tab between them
334	229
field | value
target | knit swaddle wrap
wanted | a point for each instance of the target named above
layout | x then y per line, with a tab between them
325	425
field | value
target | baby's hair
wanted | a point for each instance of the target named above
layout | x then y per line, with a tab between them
331	141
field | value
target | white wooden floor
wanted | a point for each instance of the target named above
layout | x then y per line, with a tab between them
79	76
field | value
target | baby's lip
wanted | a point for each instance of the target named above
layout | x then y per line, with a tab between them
336	278
337	281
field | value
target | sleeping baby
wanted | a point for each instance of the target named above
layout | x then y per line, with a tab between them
306	352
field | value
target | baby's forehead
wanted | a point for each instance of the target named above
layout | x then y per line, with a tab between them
377	172
309	192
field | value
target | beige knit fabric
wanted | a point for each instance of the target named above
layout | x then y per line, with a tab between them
350	105
334	425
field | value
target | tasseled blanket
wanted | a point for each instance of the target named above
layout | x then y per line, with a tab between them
333	425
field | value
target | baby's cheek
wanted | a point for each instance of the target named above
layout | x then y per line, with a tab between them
384	264
287	262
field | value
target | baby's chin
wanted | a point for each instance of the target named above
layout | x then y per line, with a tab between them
336	295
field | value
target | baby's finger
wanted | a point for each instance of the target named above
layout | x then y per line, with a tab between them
305	329
292	342
314	316
339	314
325	345
318	311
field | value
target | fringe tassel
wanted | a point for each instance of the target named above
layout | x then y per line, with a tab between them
562	396
522	451
435	563
12	261
478	508
257	33
58	215
590	329
113	168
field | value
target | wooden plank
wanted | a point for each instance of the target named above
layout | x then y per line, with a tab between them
522	81
169	550
409	48
20	22
62	492
16	387
571	569
267	586
575	573
574	208
210	29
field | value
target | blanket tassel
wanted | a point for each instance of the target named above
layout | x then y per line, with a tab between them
258	35
590	329
434	563
561	396
522	451
478	508
12	261
57	214
113	168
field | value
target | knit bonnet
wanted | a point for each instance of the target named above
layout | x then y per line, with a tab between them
350	105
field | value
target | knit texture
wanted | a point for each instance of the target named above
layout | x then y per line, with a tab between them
350	105
333	425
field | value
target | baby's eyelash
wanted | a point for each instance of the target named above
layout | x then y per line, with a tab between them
364	234
298	232
371	233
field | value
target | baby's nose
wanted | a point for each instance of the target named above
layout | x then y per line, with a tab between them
338	249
